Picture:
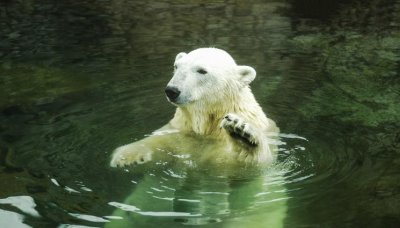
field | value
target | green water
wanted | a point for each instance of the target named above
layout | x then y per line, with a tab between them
80	78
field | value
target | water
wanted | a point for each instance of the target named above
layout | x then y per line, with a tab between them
79	79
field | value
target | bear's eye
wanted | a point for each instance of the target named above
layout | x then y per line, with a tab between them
175	67
201	71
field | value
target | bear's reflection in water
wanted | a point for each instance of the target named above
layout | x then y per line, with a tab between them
178	188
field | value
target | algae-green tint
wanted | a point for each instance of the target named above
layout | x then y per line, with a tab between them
78	79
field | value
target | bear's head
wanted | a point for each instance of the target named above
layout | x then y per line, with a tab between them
206	75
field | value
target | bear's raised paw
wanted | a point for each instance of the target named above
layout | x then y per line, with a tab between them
240	129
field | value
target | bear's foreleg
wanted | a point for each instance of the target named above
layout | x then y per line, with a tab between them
134	153
146	149
251	141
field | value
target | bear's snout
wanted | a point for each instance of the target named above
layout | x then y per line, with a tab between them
172	93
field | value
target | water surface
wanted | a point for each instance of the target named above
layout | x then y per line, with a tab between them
80	78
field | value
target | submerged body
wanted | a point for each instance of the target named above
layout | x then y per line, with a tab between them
183	194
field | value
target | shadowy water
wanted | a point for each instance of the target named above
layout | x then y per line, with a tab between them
79	78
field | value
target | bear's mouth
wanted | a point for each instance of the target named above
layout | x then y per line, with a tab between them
177	102
172	102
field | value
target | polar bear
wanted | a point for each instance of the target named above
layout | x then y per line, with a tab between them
208	163
214	102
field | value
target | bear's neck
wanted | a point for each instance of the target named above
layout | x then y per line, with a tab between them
205	119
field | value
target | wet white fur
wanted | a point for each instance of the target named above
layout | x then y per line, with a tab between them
204	101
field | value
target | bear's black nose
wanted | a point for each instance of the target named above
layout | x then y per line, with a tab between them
172	93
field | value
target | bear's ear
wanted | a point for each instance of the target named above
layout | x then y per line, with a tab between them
246	74
179	56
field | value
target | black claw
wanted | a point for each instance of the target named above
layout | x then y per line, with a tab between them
238	130
245	138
